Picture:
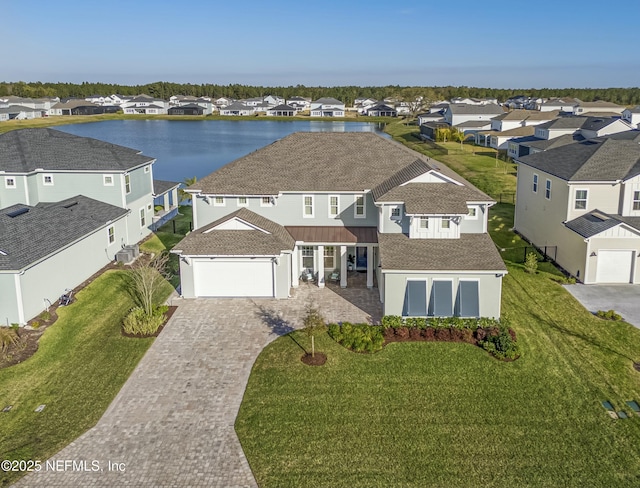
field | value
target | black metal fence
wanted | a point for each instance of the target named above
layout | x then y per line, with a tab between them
548	253
508	197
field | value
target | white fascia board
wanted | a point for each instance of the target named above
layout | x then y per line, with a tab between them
436	214
453	271
213	256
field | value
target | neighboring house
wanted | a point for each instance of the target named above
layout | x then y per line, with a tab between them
327	107
49	247
300	103
223	102
237	108
584	199
81	107
521	118
328	204
145	105
459	113
4	114
282	111
430	117
46	165
381	110
588	127
99	99
523	146
188	109
274	100
632	116
165	195
363	102
18	112
500	140
474	101
429	129
566	105
599	106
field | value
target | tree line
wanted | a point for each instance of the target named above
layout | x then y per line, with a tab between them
164	90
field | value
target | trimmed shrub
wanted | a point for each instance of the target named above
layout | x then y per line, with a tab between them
357	337
393	321
608	315
481	334
45	316
137	322
402	332
429	333
501	344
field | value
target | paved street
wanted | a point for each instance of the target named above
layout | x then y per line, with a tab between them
172	422
624	299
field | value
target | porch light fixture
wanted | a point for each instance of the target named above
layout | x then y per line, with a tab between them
593	254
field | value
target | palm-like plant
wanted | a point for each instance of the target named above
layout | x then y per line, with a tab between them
183	194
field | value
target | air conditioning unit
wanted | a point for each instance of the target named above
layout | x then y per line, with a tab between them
134	250
124	256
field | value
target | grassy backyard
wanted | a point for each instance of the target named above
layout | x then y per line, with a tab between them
81	364
444	414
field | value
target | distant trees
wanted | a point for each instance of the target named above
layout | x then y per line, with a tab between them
162	89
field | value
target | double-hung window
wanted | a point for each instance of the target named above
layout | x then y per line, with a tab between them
243	202
395	213
334	205
111	232
143	217
329	257
535	183
307	206
218	202
446	223
359	209
424	222
307	257
636	200
547	190
581	200
127	184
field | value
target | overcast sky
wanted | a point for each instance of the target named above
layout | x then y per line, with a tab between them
491	43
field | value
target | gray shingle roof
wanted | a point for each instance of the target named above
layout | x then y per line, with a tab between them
330	161
466	108
435	198
29	149
50	227
594	160
237	242
328	101
520	114
474	123
471	252
597	123
163	186
628	135
592	223
563	123
544	144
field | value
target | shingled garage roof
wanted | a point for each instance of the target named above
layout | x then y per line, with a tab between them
29	149
435	198
160	187
36	232
306	161
471	252
593	160
596	221
269	239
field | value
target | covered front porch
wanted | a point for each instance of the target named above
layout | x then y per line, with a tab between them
342	256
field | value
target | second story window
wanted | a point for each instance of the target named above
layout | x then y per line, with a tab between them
9	182
107	180
395	213
111	232
47	180
636	200
424	222
265	202
243	202
359	209
535	184
547	191
143	217
446	222
218	202
334	205
307	210
581	200
127	184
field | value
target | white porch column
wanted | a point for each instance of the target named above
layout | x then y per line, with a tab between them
295	272
320	256
174	197
343	266
369	266
165	199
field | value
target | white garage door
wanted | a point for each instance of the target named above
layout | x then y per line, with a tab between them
614	266
233	278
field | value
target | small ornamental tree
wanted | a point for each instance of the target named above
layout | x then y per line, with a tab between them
314	324
145	279
531	263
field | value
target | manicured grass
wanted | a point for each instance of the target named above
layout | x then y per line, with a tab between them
81	364
494	177
445	414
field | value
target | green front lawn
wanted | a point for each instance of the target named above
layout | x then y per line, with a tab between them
81	364
445	414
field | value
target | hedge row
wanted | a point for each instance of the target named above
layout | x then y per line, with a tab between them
395	322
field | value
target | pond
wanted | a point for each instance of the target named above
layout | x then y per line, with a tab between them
187	148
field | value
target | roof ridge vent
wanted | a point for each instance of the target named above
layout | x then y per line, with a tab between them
71	204
601	216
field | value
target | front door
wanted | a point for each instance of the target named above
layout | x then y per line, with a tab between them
361	258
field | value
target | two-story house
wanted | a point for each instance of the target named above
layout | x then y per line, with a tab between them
106	191
471	118
632	116
584	199
321	206
327	107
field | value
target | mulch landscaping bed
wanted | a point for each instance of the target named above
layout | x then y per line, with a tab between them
440	334
168	315
317	360
637	366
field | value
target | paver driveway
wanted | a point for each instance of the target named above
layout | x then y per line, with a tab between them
172	422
